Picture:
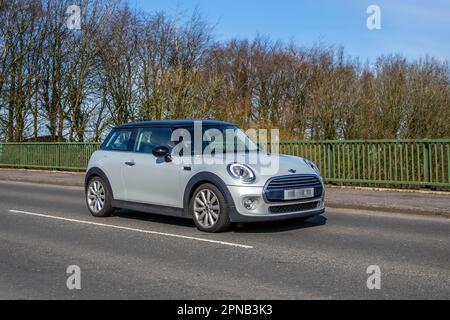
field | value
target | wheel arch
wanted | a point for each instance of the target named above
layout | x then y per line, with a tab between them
97	172
199	179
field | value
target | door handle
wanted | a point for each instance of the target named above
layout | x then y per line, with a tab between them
130	163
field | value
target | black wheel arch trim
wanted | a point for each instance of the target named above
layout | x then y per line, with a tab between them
208	177
100	173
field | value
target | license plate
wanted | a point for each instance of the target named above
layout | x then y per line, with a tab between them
298	194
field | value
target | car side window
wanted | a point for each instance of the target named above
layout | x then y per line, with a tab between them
150	138
120	140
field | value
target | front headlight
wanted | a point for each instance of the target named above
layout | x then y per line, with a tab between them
241	172
312	165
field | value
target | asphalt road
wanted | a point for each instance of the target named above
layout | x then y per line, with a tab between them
44	229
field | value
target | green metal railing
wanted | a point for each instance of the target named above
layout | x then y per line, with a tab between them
387	162
56	156
379	162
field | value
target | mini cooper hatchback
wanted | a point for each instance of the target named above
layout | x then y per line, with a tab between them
208	171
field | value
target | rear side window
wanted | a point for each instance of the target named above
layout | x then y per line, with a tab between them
119	140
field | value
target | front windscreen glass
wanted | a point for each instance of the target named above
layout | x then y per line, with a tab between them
217	139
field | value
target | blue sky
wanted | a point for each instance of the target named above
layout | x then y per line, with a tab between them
414	28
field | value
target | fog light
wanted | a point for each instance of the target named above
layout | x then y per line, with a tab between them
321	203
250	203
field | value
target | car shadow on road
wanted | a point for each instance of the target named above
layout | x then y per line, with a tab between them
280	226
255	227
154	217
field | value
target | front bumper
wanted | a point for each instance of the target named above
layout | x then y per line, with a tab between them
268	211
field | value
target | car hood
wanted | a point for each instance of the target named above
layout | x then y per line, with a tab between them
265	166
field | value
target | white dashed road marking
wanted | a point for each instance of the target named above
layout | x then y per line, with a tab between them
131	229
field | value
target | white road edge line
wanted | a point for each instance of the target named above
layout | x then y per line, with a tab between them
131	229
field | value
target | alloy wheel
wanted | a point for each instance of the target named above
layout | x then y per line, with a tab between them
206	208
96	196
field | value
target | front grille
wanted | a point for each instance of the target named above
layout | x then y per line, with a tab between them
293	182
294	207
274	190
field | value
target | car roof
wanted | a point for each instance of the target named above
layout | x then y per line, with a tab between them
172	123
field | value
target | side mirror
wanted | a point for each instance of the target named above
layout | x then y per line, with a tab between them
162	152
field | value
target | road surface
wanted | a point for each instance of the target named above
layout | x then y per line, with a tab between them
44	229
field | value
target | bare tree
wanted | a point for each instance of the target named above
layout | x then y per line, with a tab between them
125	65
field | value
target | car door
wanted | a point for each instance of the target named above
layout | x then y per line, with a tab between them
149	179
116	151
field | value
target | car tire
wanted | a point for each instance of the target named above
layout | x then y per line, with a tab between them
209	209
98	198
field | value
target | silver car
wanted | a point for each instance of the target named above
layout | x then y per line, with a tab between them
208	171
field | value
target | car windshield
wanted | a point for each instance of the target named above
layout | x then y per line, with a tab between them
219	139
